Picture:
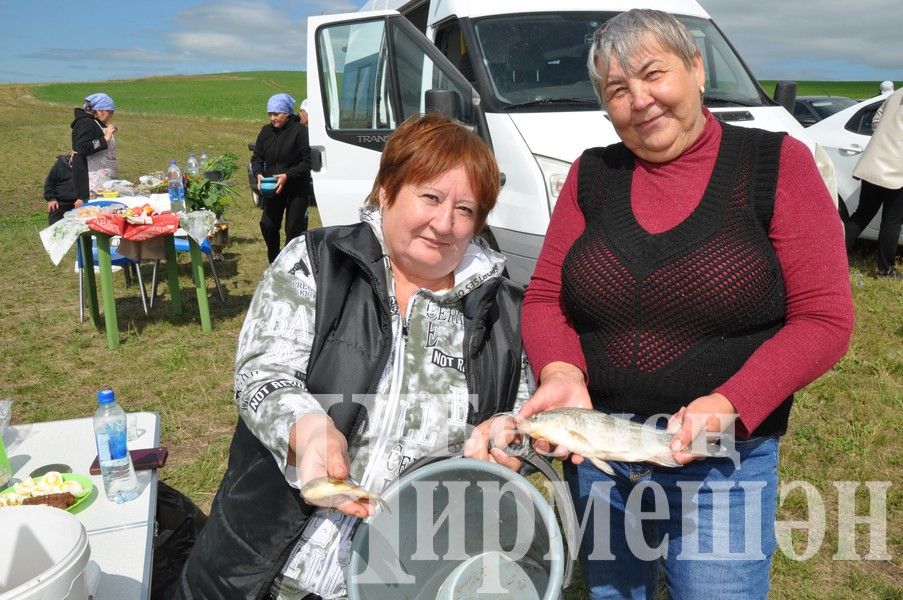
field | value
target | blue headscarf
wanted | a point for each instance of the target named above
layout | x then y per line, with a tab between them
280	103
99	101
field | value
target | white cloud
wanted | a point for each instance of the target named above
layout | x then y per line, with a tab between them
834	38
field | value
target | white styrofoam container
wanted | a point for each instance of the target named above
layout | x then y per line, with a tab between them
43	554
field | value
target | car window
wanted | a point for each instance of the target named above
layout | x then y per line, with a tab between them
861	122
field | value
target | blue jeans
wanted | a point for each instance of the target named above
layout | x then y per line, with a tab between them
709	525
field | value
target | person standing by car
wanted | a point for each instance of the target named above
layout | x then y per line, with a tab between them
693	272
94	161
282	150
880	168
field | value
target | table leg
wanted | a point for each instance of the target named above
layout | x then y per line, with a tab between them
197	268
172	274
88	278
106	288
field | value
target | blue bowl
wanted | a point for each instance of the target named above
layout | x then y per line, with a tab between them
268	185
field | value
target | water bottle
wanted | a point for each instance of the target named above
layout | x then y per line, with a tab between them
176	188
204	160
119	481
192	165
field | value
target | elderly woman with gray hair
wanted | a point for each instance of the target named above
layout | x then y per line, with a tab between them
693	275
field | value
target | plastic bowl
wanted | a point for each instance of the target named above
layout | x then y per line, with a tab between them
268	185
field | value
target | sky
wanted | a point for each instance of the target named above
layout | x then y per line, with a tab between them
56	40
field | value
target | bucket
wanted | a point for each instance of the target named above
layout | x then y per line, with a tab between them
459	528
43	554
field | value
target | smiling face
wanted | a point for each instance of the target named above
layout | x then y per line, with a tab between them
656	104
428	227
278	119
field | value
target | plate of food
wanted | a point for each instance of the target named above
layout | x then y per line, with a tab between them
68	491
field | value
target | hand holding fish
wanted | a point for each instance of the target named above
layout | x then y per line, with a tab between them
562	385
488	439
712	413
321	451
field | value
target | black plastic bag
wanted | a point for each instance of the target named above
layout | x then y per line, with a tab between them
179	520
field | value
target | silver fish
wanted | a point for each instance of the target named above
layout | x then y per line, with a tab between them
600	437
322	488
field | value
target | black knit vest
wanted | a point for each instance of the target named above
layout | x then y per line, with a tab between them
666	318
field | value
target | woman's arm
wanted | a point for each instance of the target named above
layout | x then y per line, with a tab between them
548	333
258	162
807	236
273	350
88	137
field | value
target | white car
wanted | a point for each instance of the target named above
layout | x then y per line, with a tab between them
844	136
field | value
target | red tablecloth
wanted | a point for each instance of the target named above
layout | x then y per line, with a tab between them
163	224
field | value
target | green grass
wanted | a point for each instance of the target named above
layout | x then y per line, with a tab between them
221	95
844	427
859	90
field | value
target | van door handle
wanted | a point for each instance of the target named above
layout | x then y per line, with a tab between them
501	179
851	150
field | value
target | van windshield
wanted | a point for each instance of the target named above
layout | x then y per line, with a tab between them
538	62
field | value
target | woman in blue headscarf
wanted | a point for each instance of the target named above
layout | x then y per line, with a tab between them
282	150
93	146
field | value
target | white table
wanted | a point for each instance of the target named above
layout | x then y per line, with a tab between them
121	535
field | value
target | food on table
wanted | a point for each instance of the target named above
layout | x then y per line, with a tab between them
88	212
52	489
60	500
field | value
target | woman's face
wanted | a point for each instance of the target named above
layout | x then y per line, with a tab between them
656	107
277	120
103	115
429	226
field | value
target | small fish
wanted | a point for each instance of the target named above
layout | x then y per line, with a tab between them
600	437
322	488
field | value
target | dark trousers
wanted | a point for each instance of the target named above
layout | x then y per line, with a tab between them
57	215
274	207
871	198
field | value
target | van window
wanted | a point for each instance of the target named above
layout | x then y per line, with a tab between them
375	73
539	59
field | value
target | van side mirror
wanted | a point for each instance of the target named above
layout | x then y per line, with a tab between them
442	102
785	94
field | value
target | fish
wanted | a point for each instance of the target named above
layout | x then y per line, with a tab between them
601	437
322	488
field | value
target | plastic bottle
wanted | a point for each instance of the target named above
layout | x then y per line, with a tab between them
176	188
116	469
192	165
6	471
204	160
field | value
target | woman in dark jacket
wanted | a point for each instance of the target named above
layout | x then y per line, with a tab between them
282	150
92	142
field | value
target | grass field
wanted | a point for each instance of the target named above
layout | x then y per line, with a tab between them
844	427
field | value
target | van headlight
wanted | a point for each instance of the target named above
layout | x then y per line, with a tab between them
554	172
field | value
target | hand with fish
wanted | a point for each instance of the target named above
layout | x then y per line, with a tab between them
321	453
713	414
490	437
561	385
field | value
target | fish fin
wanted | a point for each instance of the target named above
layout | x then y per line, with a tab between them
578	436
602	466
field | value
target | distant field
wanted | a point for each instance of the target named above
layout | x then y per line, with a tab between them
859	90
219	95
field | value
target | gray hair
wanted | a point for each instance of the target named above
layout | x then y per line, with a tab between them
624	35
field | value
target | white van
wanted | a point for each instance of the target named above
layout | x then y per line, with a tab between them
515	70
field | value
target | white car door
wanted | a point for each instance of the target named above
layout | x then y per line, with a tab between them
844	137
366	73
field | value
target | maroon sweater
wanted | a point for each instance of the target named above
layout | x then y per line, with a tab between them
808	240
